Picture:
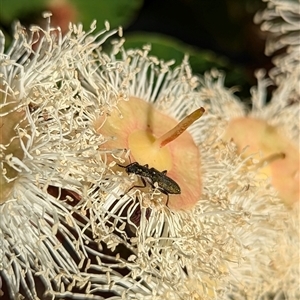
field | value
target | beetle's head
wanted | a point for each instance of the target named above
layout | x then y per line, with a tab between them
133	168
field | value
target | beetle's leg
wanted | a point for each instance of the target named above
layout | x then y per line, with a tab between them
167	199
167	194
136	186
139	186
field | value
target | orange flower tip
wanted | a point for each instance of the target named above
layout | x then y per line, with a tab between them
271	158
179	128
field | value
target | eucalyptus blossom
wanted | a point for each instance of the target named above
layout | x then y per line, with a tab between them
71	226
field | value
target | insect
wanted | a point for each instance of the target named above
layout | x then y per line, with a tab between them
164	183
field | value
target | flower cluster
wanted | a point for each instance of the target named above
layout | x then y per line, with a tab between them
74	224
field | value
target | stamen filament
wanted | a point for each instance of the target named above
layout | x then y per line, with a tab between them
179	128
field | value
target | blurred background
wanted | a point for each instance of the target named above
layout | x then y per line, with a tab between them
215	33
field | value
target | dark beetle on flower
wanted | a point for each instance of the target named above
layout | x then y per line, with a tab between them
154	177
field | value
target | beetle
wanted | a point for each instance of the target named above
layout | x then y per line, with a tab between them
164	183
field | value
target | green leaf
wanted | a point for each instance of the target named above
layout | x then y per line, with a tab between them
117	12
11	10
201	61
168	48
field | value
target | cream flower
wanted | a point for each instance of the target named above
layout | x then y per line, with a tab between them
71	226
281	22
271	129
268	135
47	154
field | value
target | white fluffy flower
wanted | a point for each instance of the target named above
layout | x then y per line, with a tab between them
66	227
281	21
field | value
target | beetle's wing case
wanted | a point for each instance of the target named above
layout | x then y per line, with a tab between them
169	185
